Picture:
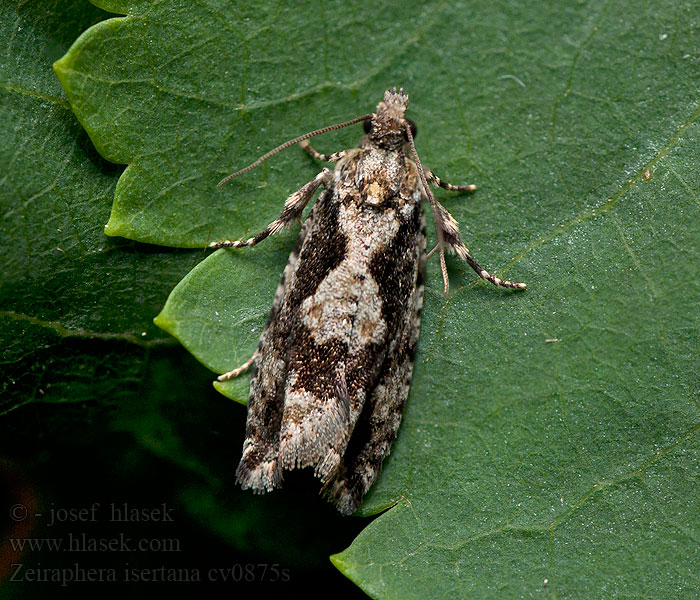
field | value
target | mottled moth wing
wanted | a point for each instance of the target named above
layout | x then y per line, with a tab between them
402	269
334	362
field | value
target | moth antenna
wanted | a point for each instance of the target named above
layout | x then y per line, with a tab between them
296	140
436	215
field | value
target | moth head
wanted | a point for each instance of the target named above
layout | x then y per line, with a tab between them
387	127
394	105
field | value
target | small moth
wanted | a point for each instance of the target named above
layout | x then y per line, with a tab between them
333	366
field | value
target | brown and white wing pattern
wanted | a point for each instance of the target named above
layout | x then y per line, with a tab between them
336	355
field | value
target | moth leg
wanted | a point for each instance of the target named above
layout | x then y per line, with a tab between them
449	231
293	208
335	157
435	180
240	370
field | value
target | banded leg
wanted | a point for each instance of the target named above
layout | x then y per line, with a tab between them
240	370
335	157
292	210
435	180
449	231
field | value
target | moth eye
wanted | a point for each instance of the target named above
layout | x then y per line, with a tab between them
414	129
367	124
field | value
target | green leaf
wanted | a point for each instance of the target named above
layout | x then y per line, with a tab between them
96	402
550	443
225	336
75	307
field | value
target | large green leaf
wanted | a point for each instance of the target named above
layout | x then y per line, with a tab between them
96	403
550	443
75	305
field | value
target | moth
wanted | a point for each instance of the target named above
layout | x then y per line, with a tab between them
333	366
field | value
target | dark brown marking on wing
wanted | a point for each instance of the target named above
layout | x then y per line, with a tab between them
322	251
